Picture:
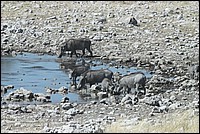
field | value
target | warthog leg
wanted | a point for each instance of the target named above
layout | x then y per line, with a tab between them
136	91
83	52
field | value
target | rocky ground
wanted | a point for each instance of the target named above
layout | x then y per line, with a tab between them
165	41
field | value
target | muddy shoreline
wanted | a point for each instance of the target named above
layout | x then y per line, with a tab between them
165	42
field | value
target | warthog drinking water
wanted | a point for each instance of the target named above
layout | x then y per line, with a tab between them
75	44
94	76
133	80
78	70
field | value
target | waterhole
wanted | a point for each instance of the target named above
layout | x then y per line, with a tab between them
35	72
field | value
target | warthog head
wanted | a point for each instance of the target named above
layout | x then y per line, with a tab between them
82	82
61	51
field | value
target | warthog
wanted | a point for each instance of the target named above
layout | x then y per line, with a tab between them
94	76
106	84
133	80
75	44
193	71
78	70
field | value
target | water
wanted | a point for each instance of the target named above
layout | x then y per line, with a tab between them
35	72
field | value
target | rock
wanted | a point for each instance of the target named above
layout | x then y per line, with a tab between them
50	90
127	97
195	103
20	95
72	111
172	97
67	106
153	100
63	89
97	38
42	97
14	106
66	129
102	95
101	20
105	101
163	109
9	86
133	21
64	100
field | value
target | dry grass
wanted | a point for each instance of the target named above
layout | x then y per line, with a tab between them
183	122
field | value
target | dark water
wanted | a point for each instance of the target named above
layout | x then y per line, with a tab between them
35	72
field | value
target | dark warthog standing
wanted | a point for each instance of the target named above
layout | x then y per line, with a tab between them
78	70
94	76
133	80
75	44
